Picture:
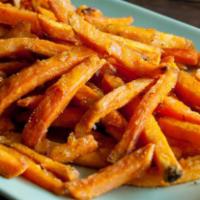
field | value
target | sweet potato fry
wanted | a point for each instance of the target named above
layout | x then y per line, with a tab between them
185	131
44	178
147	105
62	9
174	108
74	148
112	177
152	178
29	78
184	56
149	36
65	172
134	59
57	98
12	46
188	89
11	165
163	155
110	102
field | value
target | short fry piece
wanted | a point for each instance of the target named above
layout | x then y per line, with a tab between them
164	157
29	78
12	46
56	98
147	105
65	172
74	148
11	165
181	130
172	107
112	176
188	89
110	102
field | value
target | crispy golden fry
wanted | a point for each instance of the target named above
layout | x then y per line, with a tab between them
188	89
12	66
29	78
65	172
174	108
74	148
112	176
12	165
47	13
149	36
147	105
110	102
12	46
57	98
164	157
181	130
152	178
133	59
44	178
62	9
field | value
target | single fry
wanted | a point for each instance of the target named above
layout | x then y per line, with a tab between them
74	148
163	155
152	178
188	89
30	101
183	56
61	9
149	36
112	176
172	107
132	59
11	165
145	108
110	102
12	46
29	78
181	130
56	98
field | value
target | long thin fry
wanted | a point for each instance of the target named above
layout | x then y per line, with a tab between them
188	89
133	60
11	165
12	46
174	108
110	102
65	172
147	105
29	78
164	157
57	98
74	148
181	130
112	177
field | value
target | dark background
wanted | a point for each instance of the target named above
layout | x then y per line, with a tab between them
186	11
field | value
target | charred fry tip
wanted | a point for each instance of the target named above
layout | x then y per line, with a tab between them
172	173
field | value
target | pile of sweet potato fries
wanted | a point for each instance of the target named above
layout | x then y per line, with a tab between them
81	88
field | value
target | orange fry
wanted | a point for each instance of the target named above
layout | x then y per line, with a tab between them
30	101
112	176
11	46
174	108
185	131
74	148
134	59
110	102
149	36
12	165
29	78
184	56
163	155
145	108
57	98
188	89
